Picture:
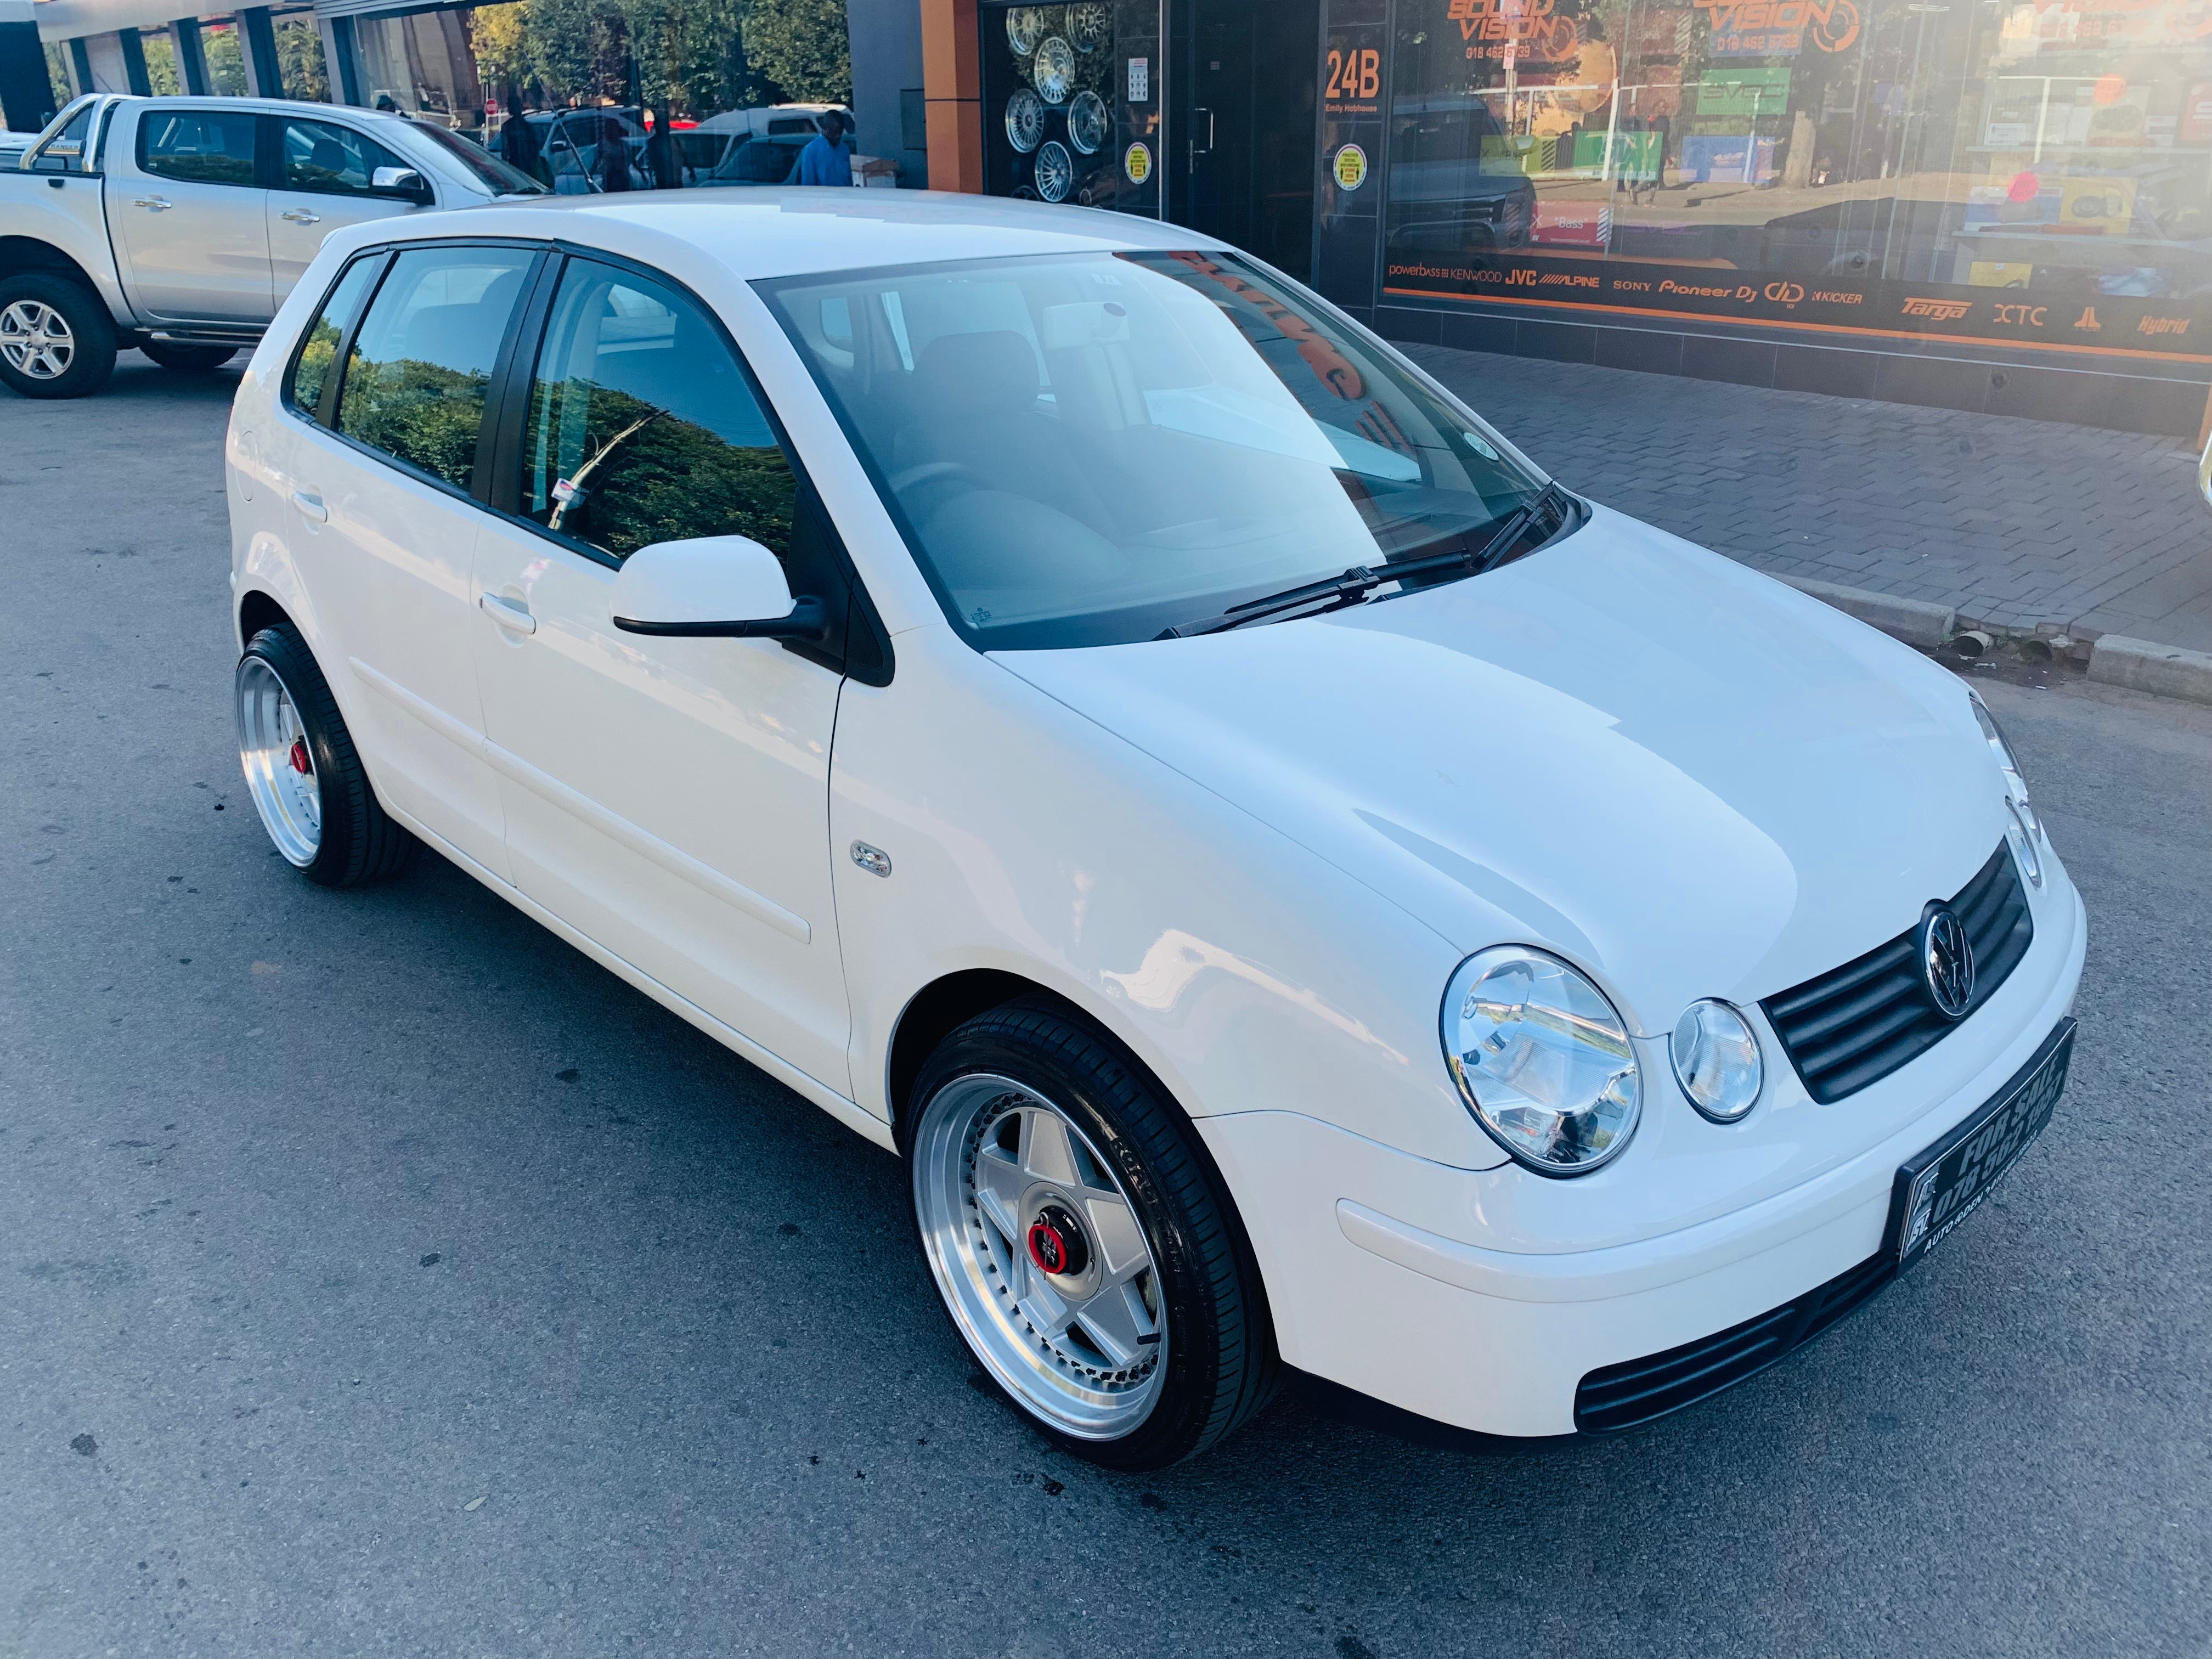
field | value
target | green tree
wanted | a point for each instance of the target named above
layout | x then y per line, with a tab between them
300	61
803	47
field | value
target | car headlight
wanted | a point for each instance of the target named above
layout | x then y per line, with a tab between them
2023	811
1716	1056
1541	1058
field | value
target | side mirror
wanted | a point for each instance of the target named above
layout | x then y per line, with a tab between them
401	181
713	588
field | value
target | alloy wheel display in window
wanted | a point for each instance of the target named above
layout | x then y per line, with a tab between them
1024	28
1056	171
1025	120
1089	122
1054	70
1090	26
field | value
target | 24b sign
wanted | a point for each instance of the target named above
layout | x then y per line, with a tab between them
1354	76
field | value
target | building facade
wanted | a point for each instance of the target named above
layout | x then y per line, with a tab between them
1993	205
582	72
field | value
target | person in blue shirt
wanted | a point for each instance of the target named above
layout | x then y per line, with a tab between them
825	160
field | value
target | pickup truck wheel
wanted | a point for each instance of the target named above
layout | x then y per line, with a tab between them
188	359
57	339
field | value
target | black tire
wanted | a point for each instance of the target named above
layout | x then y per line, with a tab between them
359	840
92	336
1221	1367
188	359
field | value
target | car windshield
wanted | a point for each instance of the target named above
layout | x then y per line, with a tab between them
500	178
1088	449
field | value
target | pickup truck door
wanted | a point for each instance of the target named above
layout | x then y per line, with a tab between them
325	178
191	226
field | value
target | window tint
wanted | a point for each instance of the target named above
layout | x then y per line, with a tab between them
642	428
198	146
421	367
333	160
312	373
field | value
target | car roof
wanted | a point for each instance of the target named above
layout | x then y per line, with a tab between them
771	232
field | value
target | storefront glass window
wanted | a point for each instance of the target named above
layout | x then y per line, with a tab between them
1072	104
2035	172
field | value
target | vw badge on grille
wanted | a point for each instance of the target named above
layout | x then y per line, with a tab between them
1946	960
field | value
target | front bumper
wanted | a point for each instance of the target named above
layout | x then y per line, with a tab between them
1499	1341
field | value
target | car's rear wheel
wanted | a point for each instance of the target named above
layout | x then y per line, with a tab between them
188	359
57	339
1082	1243
302	770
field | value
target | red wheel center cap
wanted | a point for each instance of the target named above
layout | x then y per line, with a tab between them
300	764
1056	1243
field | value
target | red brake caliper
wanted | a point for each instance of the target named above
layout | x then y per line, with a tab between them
300	764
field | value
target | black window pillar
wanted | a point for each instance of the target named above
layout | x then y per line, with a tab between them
345	70
261	64
26	95
191	56
134	62
81	61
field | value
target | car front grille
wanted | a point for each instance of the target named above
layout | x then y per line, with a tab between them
1623	1397
1858	1024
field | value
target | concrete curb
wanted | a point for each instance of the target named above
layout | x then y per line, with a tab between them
2164	671
1917	622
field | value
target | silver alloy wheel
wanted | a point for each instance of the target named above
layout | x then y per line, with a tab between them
279	766
1007	1187
36	340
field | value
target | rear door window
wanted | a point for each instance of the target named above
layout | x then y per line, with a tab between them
311	370
198	146
419	375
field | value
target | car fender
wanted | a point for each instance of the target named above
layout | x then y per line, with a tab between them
1022	837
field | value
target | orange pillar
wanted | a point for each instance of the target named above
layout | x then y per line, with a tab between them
952	94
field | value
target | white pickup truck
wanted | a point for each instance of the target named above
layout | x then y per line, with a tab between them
177	225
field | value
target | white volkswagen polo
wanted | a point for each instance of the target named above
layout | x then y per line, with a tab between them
1303	893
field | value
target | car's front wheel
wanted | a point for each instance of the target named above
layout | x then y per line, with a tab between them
303	772
57	339
1082	1242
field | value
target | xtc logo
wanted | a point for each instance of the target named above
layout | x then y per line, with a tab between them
1940	311
2021	316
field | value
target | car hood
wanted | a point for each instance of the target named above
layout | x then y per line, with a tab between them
1688	778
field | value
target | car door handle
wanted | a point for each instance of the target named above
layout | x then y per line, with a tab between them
300	216
311	505
508	613
153	203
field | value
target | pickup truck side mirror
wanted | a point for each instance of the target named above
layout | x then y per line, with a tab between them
402	182
713	588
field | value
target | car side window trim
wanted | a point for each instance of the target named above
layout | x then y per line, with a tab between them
868	660
324	413
334	388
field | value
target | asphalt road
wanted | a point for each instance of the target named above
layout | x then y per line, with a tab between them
377	1276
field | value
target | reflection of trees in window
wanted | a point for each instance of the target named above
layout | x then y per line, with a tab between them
639	475
424	414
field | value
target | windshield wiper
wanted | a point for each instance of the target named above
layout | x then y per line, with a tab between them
1357	583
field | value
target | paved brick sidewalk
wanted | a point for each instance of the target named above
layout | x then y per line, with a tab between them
2017	523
